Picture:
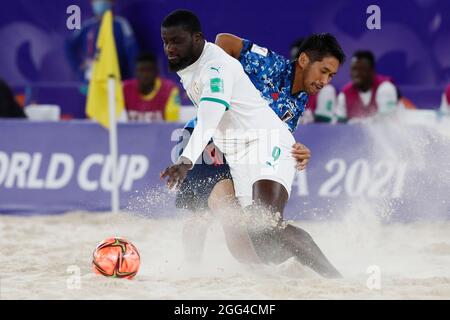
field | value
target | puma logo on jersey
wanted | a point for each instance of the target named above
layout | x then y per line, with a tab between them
215	69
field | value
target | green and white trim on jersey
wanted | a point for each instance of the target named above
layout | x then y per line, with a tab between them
216	100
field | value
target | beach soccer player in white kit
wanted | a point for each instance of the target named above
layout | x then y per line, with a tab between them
255	142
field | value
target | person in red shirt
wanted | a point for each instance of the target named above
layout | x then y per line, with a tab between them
368	93
445	102
149	97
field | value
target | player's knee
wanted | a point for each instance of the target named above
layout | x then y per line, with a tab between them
262	217
270	195
299	233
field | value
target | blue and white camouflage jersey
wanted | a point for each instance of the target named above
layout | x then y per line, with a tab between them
191	123
273	74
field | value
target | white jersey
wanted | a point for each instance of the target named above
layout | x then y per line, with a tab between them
220	78
255	142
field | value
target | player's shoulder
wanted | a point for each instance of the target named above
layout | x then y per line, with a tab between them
251	50
251	47
217	54
215	59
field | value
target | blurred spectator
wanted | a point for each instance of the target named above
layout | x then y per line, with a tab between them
403	102
81	46
445	102
150	97
323	104
320	107
368	93
9	108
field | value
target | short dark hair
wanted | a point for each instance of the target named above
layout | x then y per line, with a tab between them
320	45
146	57
365	54
183	18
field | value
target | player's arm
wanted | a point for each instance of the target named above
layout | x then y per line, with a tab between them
217	83
209	115
230	43
301	154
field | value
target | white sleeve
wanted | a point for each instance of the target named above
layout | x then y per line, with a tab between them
445	108
326	101
340	111
217	82
208	117
217	86
386	98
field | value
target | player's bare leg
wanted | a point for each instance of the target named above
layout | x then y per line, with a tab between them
225	206
285	240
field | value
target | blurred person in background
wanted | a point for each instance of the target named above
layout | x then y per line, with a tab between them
81	45
9	108
368	93
320	107
445	101
149	97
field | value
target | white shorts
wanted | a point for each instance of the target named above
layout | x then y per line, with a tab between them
266	158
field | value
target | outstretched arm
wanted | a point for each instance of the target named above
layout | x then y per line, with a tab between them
230	43
217	85
208	117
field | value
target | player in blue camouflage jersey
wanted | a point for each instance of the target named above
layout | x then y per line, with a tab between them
273	75
285	85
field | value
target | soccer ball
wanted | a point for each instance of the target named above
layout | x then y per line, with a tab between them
117	258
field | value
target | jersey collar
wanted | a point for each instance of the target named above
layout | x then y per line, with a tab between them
291	79
193	66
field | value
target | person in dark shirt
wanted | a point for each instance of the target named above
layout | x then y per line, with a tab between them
9	108
80	47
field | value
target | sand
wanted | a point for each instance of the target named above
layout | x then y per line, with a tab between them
49	257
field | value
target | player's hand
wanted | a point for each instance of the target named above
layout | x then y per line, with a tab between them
301	154
176	173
